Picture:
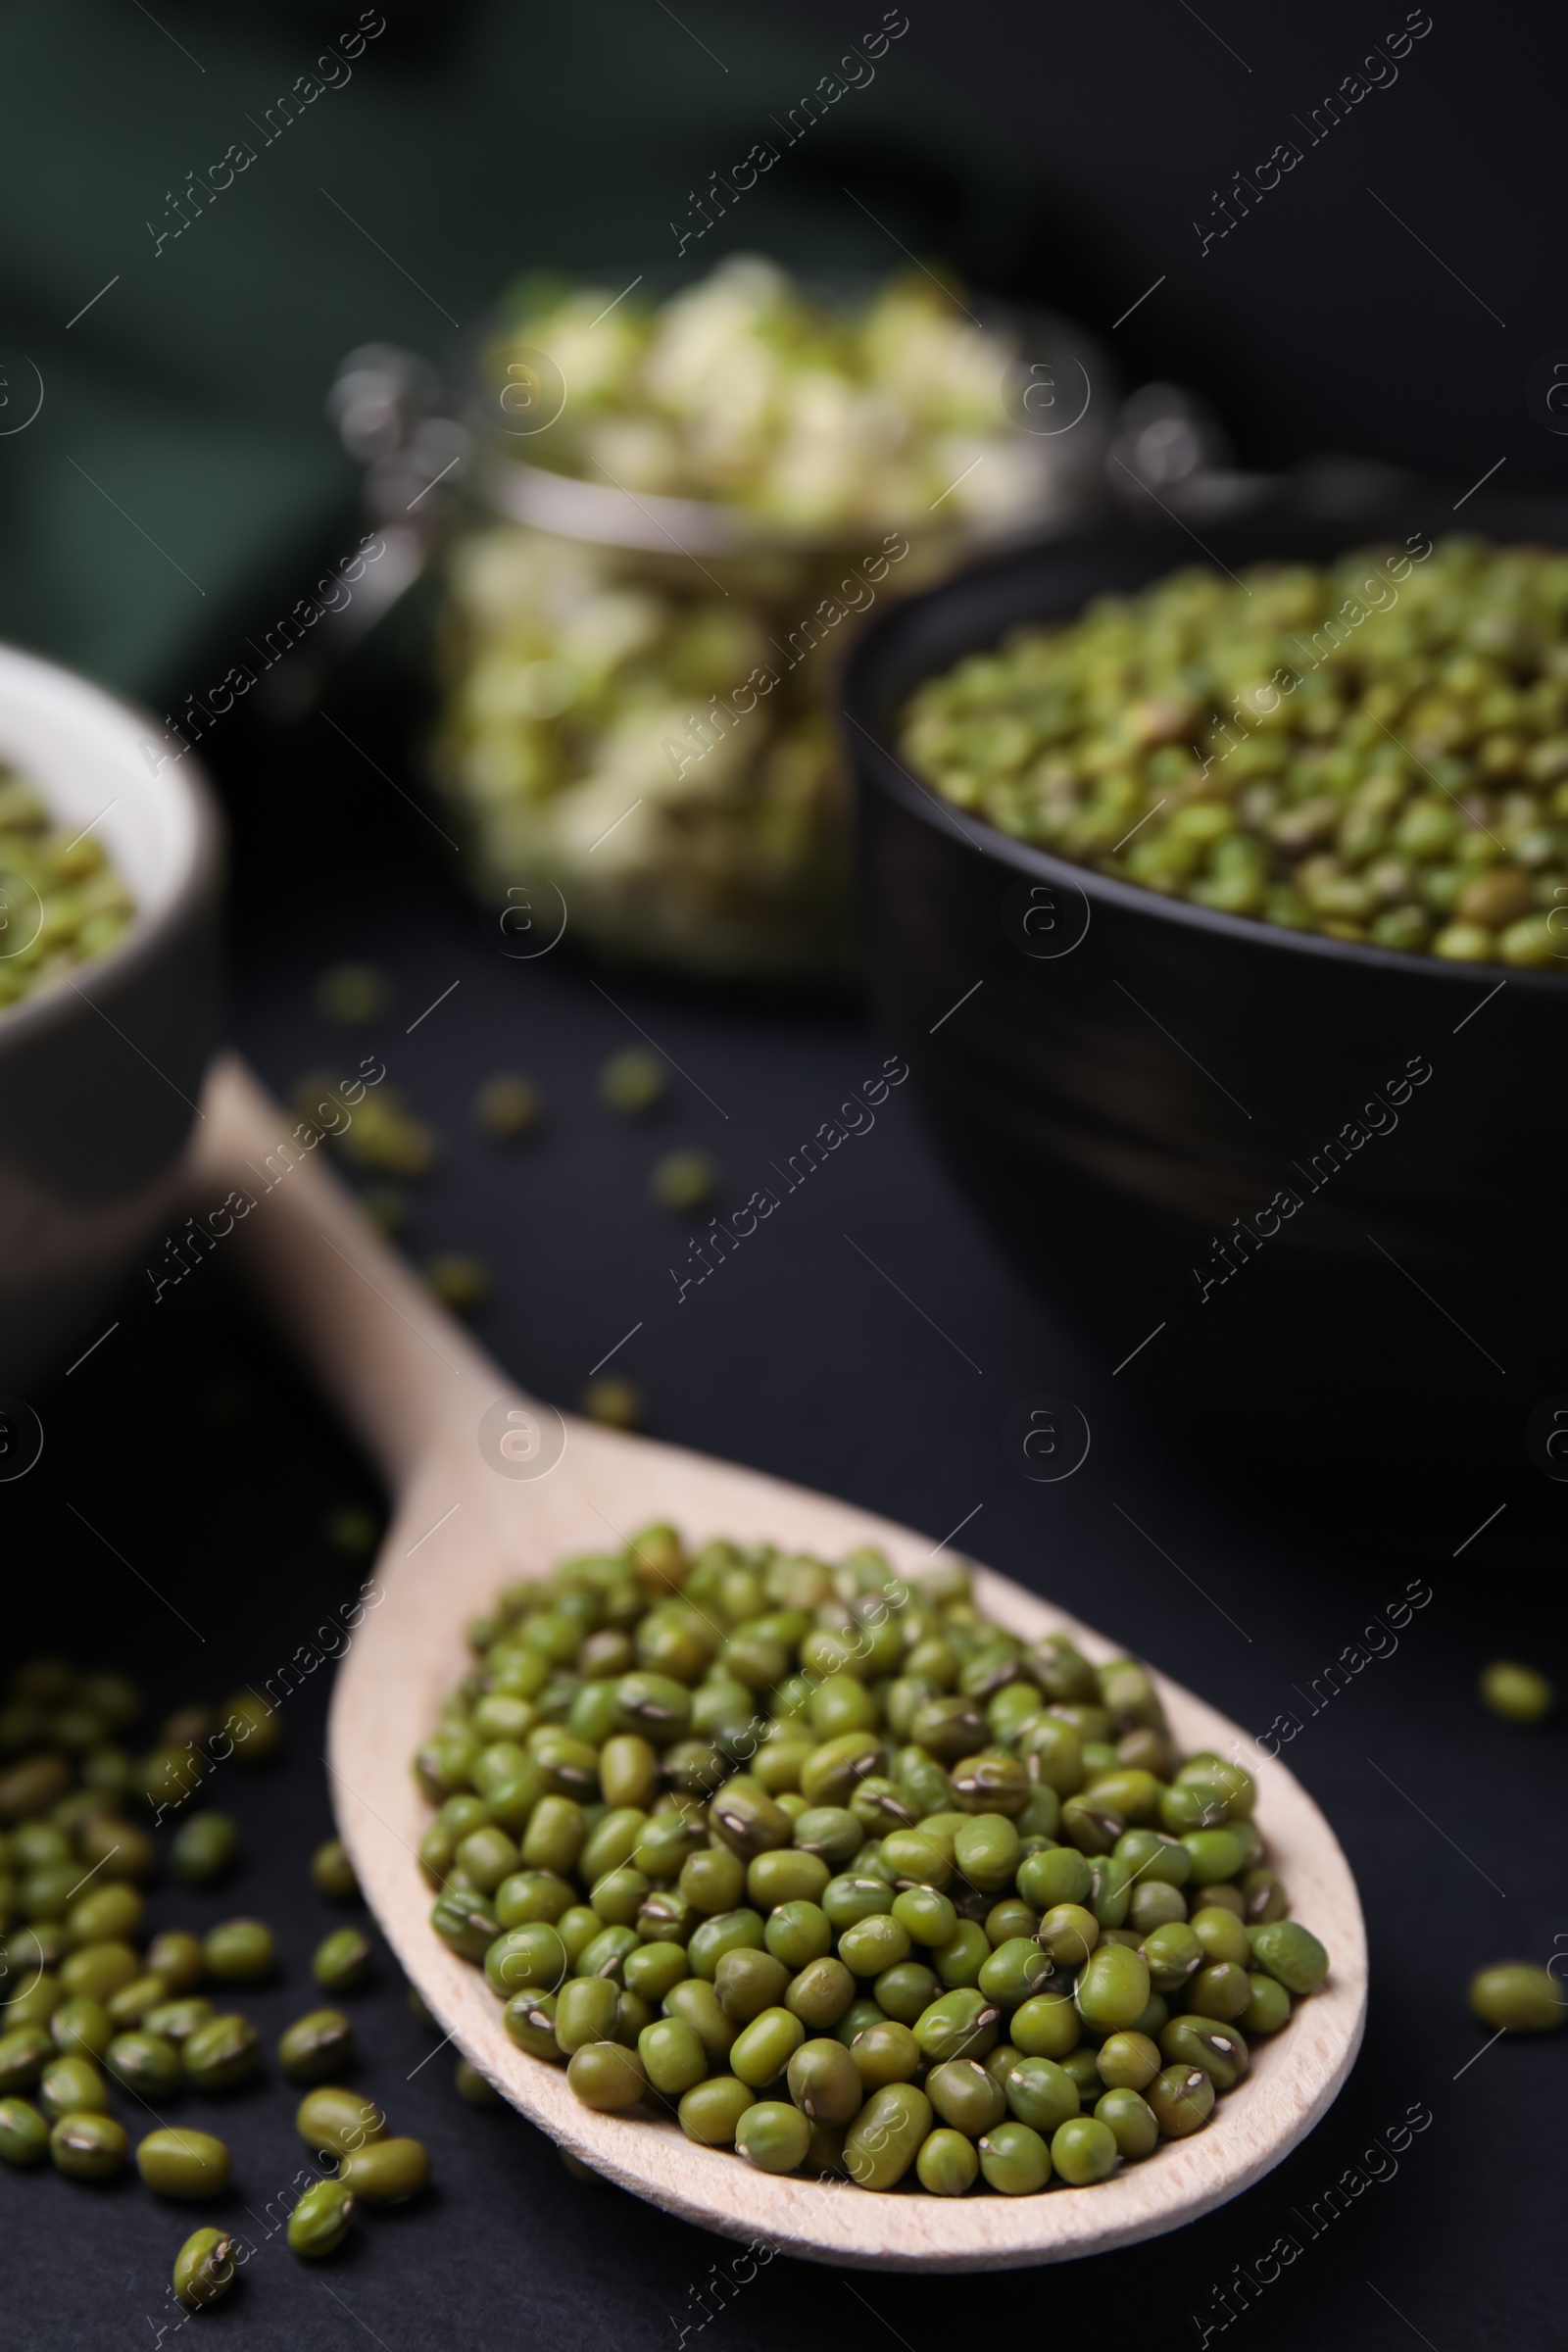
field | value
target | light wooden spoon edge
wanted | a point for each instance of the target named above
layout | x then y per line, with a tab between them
415	1388
412	1642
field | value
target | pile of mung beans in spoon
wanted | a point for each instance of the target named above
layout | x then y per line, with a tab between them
845	1876
1377	751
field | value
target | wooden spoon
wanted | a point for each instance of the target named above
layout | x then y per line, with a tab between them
481	1498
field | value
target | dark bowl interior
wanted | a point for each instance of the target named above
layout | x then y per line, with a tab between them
1324	1177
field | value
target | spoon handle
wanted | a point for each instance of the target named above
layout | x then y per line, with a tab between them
403	1373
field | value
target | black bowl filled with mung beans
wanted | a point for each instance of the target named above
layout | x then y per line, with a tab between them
1218	890
824	1865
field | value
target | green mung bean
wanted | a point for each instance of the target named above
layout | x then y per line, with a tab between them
1513	1996
319	2221
1517	1691
182	2163
205	2268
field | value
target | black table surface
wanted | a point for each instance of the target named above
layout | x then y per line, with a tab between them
868	1342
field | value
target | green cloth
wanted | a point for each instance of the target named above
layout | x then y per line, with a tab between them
181	473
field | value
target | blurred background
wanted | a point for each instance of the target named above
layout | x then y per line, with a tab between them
186	308
1380	303
1379	312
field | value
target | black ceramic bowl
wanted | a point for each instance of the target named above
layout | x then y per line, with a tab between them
1305	1196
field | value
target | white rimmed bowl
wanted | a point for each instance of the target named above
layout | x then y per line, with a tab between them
100	1075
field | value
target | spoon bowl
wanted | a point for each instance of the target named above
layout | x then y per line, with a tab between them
492	1485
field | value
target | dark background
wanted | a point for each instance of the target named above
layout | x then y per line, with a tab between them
206	1466
1320	323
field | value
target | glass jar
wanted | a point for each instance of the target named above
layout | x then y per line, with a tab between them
637	688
